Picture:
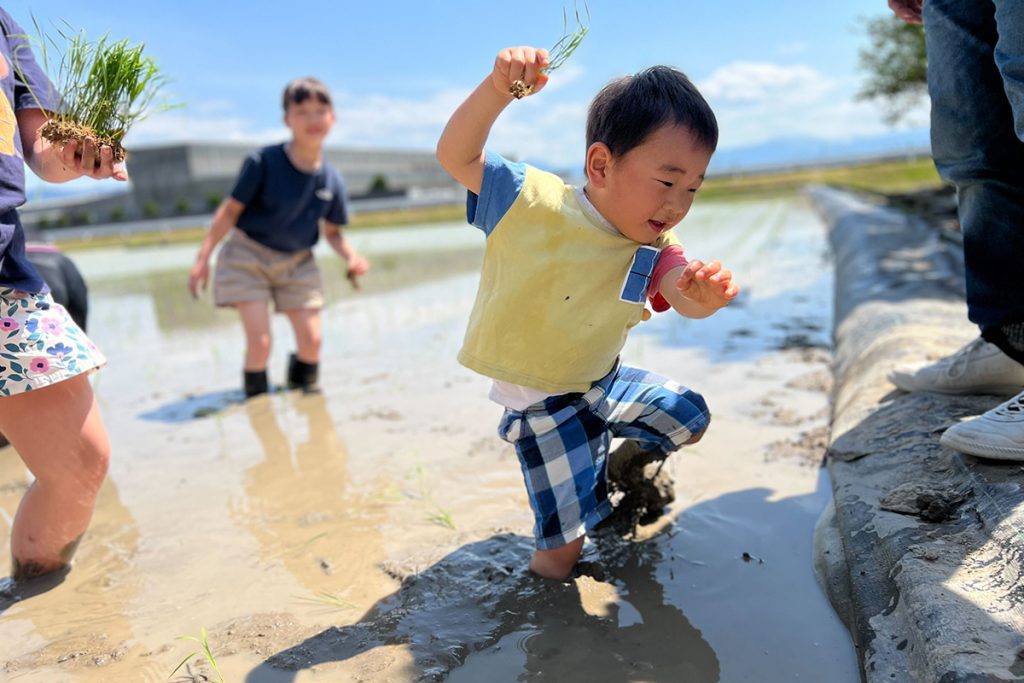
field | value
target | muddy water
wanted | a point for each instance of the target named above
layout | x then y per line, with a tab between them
377	532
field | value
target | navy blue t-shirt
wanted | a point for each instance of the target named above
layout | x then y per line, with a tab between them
283	205
24	87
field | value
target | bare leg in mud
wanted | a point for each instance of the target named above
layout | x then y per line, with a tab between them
625	472
557	563
59	434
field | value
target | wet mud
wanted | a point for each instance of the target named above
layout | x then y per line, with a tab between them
379	531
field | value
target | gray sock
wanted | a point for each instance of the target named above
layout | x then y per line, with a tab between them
1009	338
1014	334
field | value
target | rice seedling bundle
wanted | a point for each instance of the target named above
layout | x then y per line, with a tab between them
103	87
560	52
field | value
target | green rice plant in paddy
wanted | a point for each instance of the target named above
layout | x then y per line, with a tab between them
325	599
204	651
561	51
443	517
103	87
440	516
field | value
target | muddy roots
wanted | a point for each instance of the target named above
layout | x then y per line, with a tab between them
60	133
519	90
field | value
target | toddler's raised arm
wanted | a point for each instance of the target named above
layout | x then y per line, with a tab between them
461	147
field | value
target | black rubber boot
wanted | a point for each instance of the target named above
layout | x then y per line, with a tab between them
302	375
255	383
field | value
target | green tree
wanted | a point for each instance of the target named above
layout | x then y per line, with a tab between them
379	184
896	63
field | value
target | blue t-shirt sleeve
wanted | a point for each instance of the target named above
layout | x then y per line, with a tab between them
249	179
503	181
32	89
337	212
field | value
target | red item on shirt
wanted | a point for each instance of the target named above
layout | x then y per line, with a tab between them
670	257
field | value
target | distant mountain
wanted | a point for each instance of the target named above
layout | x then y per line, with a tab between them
807	150
798	151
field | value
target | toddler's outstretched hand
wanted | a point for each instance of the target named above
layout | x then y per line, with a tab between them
707	284
522	65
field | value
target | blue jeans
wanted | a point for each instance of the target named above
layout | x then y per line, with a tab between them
976	84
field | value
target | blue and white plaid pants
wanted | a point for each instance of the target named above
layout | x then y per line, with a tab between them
562	444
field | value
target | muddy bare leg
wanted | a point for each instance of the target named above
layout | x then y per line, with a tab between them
69	461
557	563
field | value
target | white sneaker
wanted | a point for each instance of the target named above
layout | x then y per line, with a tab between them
998	434
978	368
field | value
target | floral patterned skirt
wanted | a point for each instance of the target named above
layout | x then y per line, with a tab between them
40	344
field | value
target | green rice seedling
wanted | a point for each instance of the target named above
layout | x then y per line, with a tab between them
328	600
561	51
205	651
440	516
443	517
104	87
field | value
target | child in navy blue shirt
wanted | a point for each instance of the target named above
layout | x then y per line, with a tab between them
272	220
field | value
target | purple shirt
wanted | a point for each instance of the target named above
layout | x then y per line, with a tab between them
25	86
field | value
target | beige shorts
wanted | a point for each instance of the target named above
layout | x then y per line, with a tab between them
249	271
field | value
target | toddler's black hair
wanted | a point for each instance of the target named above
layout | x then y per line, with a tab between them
630	108
302	89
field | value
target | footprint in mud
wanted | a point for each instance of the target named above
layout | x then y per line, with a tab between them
388	414
819	380
808	448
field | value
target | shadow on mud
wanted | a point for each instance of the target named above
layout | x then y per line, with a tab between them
481	597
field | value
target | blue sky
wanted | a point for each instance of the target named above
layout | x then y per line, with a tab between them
771	70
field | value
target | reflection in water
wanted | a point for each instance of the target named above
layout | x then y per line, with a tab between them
175	309
86	621
478	615
297	502
306	513
641	638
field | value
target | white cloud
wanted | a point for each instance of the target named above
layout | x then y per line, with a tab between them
179	126
390	121
554	135
545	129
758	102
755	102
566	75
754	84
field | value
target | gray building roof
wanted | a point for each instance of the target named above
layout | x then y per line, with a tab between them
191	178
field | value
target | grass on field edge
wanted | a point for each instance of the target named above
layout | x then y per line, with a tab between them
880	177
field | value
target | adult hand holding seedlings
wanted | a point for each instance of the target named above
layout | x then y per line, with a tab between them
103	88
93	160
60	163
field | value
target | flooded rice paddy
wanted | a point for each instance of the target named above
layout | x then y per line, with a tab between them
379	531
